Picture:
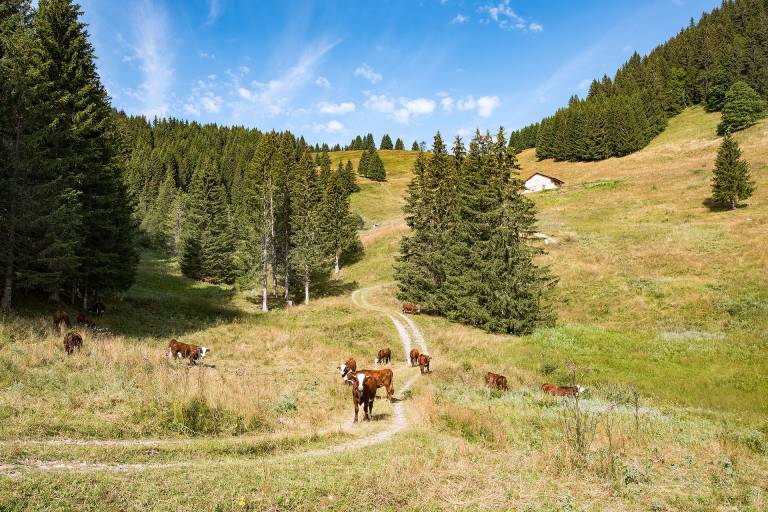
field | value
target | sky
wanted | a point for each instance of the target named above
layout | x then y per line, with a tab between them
333	69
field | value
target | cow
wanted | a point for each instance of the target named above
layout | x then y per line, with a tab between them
424	360
413	357
562	390
98	309
364	389
86	321
61	320
495	380
383	379
411	308
346	367
72	341
195	354
384	356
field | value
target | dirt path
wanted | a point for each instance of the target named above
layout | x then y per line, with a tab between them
408	333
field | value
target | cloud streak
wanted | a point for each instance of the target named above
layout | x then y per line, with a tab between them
507	19
368	73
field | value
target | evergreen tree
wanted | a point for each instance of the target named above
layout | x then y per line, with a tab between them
386	142
347	173
742	108
731	181
399	146
374	169
338	224
362	166
309	253
369	143
415	146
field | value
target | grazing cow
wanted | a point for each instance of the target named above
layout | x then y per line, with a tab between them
72	341
384	356
562	390
195	354
413	357
424	360
363	392
348	366
98	309
411	308
495	380
61	320
383	379
86	321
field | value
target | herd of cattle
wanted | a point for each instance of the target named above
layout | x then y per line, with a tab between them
364	383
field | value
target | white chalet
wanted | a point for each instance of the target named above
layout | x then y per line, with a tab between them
539	181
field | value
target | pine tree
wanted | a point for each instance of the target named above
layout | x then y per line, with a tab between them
399	145
340	233
369	143
731	181
386	142
742	108
374	169
309	253
362	166
415	146
348	177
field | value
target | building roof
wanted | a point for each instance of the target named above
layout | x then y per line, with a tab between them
556	180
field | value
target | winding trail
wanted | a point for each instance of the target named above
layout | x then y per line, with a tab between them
408	333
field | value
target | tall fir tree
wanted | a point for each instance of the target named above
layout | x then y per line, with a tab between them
399	145
731	181
374	169
362	166
415	146
339	226
386	142
347	173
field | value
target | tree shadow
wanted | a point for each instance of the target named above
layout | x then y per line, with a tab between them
720	207
334	287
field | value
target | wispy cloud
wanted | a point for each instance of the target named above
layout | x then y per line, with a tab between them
274	96
204	98
336	108
329	127
506	18
484	105
368	73
214	10
323	82
487	104
401	110
153	53
206	55
459	19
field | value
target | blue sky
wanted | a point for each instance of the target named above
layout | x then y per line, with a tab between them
330	70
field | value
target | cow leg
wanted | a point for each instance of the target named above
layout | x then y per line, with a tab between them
356	408
390	391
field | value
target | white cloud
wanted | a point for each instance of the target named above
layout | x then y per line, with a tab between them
419	106
206	55
152	51
330	127
336	108
214	9
506	17
402	109
447	103
274	97
459	19
368	73
380	103
487	104
584	84
466	104
323	82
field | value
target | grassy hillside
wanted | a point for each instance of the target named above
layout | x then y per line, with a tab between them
658	296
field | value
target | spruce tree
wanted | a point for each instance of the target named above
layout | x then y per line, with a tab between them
731	181
374	166
415	146
742	108
362	166
386	142
348	177
399	145
340	233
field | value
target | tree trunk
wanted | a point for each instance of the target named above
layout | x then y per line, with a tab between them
265	275
306	288
5	302
337	263
273	244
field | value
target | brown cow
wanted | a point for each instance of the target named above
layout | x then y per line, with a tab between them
413	357
383	379
424	360
496	380
349	365
363	392
72	341
411	308
562	390
384	356
61	320
86	321
195	354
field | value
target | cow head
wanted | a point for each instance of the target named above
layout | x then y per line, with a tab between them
580	389
356	379
343	369
376	360
202	352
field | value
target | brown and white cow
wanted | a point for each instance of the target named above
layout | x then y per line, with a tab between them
86	321
195	354
411	308
384	356
364	389
383	379
413	357
562	390
72	341
61	320
424	360
496	380
346	367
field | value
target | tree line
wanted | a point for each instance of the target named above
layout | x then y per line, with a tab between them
64	212
239	205
470	255
696	67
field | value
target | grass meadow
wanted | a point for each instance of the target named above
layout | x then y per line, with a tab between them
663	315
